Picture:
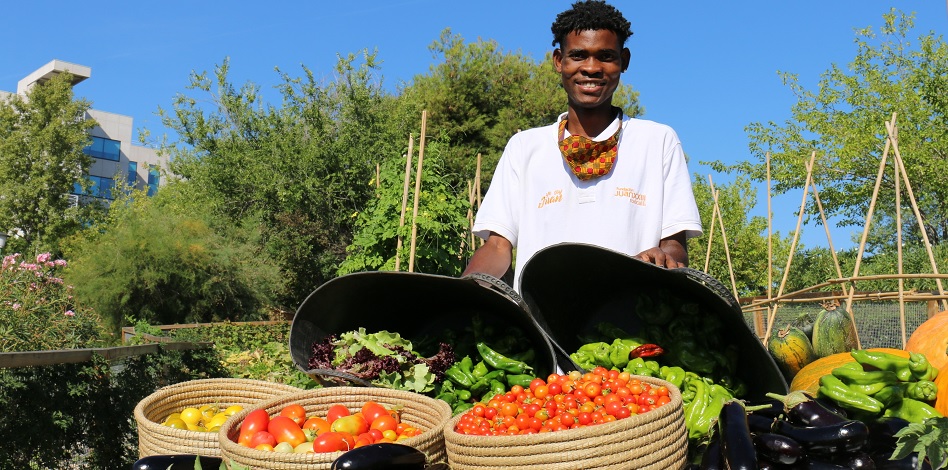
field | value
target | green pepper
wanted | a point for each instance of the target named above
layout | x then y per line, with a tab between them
496	388
884	361
889	396
527	356
674	375
461	407
455	374
704	420
480	386
920	367
499	361
834	389
923	390
600	354
652	312
584	359
480	370
638	366
698	405
495	375
913	411
690	357
619	352
522	380
463	395
449	397
865	382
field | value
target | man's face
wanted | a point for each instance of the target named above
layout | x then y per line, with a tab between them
590	63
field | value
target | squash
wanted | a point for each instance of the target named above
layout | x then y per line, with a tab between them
808	379
833	331
805	323
941	380
791	349
931	339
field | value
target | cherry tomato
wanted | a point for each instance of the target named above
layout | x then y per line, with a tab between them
256	420
286	430
371	410
295	412
384	423
331	442
317	424
336	411
352	424
262	437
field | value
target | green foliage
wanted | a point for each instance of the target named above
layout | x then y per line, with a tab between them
81	415
843	122
298	171
441	222
152	261
38	311
41	140
479	95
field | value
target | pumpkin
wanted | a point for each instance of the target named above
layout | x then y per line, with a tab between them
931	339
808	379
791	349
941	380
833	331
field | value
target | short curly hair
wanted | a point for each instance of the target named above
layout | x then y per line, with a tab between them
590	15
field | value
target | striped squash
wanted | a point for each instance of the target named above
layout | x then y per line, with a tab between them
791	349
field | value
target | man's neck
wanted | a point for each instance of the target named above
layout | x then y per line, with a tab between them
589	122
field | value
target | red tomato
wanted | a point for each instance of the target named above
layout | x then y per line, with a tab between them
335	412
372	410
352	424
286	430
383	423
331	442
256	420
262	437
316	424
295	412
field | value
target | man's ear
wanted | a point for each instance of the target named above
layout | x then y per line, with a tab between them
626	58
557	59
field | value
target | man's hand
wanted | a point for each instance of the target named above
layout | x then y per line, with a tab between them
671	252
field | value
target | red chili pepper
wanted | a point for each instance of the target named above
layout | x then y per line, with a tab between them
646	350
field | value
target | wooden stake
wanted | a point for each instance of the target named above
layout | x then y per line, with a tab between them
378	176
714	218
727	251
793	244
401	218
898	249
414	214
477	189
890	128
758	316
829	237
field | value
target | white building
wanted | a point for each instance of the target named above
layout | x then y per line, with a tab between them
113	152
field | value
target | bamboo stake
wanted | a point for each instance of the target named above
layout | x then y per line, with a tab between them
829	237
872	205
401	218
873	277
898	248
414	214
770	241
470	213
378	176
793	243
727	251
918	216
477	188
714	217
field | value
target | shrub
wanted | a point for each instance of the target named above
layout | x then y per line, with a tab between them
38	310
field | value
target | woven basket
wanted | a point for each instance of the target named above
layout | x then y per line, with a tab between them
156	439
654	440
425	413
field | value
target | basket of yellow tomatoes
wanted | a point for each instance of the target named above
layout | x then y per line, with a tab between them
312	428
597	419
184	418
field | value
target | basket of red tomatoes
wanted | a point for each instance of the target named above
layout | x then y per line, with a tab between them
596	419
313	428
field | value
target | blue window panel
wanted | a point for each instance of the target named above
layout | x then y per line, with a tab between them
105	187
153	180
132	174
105	149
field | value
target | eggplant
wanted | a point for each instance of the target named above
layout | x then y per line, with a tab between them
737	446
831	405
882	432
778	448
759	423
814	413
382	456
817	464
858	461
848	436
711	457
176	462
774	407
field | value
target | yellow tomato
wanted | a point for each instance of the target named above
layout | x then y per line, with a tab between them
191	415
208	411
176	423
232	409
216	421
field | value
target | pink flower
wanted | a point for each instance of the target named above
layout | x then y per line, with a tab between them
16	306
43	257
70	313
60	262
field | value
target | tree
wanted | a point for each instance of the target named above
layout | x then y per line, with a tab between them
42	135
479	95
843	122
300	170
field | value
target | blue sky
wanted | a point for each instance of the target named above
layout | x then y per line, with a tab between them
708	69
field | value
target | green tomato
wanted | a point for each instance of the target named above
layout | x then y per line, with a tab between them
284	447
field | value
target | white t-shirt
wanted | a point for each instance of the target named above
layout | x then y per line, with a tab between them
536	201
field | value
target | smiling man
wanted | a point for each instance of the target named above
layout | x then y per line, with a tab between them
595	176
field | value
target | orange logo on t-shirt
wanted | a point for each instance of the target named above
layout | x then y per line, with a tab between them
550	198
634	197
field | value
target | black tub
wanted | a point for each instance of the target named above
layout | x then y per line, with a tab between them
570	288
415	306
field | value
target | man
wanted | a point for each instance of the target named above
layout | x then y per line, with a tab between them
595	176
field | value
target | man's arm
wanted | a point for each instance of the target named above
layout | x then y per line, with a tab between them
493	258
671	252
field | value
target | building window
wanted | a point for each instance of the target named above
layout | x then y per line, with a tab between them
101	187
153	180
105	149
132	180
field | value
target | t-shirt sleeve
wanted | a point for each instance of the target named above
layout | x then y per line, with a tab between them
680	211
499	211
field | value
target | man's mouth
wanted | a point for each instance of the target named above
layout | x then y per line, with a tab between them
590	85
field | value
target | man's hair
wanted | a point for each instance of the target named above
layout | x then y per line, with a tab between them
591	15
